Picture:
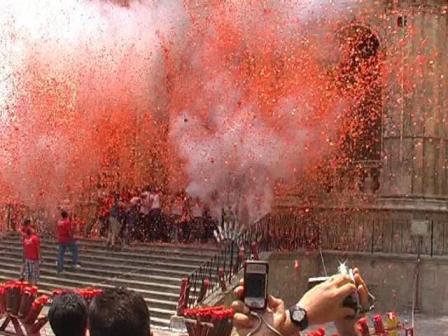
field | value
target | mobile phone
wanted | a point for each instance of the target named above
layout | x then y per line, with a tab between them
256	284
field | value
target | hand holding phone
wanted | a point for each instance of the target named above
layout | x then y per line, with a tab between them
255	294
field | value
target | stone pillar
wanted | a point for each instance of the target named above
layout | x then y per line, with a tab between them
415	124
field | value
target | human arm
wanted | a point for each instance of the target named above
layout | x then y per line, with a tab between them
323	303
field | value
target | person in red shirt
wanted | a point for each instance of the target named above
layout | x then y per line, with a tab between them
66	240
31	255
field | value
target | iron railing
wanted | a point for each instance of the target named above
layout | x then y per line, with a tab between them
219	271
313	229
350	232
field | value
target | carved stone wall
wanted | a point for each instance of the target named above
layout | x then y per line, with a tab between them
415	136
413	170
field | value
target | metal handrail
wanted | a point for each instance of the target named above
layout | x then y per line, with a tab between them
220	269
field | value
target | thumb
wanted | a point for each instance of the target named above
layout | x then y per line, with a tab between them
275	303
278	308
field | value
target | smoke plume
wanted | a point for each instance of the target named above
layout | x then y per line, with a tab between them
245	89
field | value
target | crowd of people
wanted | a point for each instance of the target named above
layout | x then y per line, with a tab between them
121	217
119	311
145	215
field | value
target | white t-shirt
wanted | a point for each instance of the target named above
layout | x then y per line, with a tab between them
197	211
146	203
155	201
177	208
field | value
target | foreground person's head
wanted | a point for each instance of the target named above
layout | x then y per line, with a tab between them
118	312
68	315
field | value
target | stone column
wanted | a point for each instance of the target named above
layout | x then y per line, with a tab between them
415	128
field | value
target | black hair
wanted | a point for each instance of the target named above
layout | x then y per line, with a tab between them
27	222
68	315
64	214
119	312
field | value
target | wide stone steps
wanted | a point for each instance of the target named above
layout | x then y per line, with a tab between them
111	255
88	258
153	270
147	248
118	270
47	284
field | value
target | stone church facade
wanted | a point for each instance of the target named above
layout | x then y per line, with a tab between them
408	179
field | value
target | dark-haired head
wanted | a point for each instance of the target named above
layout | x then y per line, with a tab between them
27	222
68	315
118	312
64	214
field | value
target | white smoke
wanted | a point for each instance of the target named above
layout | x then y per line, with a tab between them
233	156
105	52
238	163
95	57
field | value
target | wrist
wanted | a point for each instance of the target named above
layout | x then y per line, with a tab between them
290	329
309	312
298	318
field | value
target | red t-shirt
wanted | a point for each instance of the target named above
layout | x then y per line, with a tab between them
31	247
106	204
65	234
23	232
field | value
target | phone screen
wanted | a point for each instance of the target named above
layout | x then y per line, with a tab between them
256	285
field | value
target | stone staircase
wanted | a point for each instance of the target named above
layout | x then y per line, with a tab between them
154	270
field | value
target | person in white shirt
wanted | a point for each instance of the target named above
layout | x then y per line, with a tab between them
145	206
154	198
145	223
197	222
155	215
177	209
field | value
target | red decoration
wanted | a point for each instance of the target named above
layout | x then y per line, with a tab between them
378	324
18	301
183	297
211	321
363	327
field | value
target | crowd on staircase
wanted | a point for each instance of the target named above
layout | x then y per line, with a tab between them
148	215
124	216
